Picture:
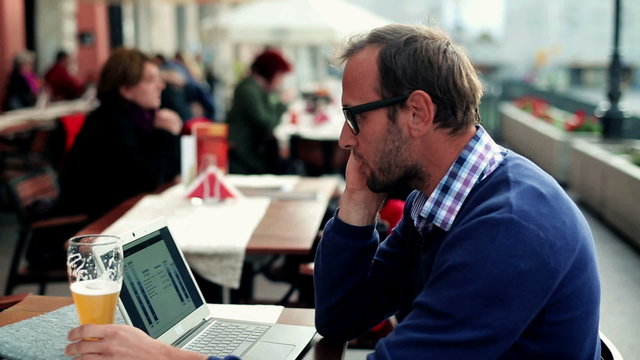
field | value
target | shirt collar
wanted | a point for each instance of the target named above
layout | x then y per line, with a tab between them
476	161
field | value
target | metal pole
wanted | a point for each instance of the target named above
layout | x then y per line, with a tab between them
613	117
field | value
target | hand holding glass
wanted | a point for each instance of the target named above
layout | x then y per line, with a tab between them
94	266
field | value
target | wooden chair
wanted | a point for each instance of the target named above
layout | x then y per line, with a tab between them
16	153
10	300
302	282
63	136
318	157
608	351
33	196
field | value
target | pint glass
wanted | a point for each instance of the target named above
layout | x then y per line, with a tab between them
94	266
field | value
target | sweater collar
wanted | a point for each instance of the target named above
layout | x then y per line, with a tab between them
477	160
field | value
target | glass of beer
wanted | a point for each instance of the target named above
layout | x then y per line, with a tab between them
94	266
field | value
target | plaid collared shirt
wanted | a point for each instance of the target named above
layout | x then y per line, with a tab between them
477	160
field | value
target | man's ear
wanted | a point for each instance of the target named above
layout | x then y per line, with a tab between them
422	111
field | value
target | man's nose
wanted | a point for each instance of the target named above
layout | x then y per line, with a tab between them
347	138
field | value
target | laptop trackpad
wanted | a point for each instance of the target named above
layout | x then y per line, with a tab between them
275	351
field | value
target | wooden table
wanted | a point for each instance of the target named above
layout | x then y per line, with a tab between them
289	227
24	120
34	305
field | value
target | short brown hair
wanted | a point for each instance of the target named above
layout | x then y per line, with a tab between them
124	67
414	57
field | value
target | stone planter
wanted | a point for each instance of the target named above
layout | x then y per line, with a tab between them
543	143
609	184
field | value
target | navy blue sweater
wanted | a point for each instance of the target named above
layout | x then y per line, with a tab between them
514	278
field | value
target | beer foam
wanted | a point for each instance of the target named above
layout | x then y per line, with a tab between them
95	287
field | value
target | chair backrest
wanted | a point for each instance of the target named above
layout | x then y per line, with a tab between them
39	256
608	351
33	194
8	301
318	157
63	136
72	125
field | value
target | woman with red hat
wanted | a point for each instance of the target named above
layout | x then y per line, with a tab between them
254	113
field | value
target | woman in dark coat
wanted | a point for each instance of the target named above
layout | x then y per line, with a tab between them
127	146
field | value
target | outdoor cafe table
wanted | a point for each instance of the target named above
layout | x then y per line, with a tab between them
28	119
288	227
215	239
321	348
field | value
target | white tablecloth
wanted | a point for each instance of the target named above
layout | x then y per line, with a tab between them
213	237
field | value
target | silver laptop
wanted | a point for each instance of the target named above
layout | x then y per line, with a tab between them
160	296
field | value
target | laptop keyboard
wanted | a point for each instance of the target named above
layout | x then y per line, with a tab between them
223	338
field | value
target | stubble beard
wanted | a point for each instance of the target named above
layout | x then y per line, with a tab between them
393	168
407	178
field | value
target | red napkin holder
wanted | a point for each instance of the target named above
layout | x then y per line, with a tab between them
211	184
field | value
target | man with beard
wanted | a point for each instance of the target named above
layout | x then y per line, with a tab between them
491	260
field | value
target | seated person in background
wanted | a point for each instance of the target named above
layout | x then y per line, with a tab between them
491	260
255	111
24	85
174	95
126	146
61	83
197	91
210	77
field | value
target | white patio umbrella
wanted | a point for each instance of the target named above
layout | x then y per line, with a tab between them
296	21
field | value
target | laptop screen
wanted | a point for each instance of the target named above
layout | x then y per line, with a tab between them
157	284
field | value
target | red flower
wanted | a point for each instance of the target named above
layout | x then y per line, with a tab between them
575	121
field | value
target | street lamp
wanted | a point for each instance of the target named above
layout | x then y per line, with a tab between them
613	117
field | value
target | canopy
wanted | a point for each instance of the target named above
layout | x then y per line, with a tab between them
297	21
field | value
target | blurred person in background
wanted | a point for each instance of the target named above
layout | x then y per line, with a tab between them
23	86
255	111
174	95
209	75
60	81
128	145
197	91
193	64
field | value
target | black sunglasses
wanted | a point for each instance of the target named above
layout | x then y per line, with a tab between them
350	112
